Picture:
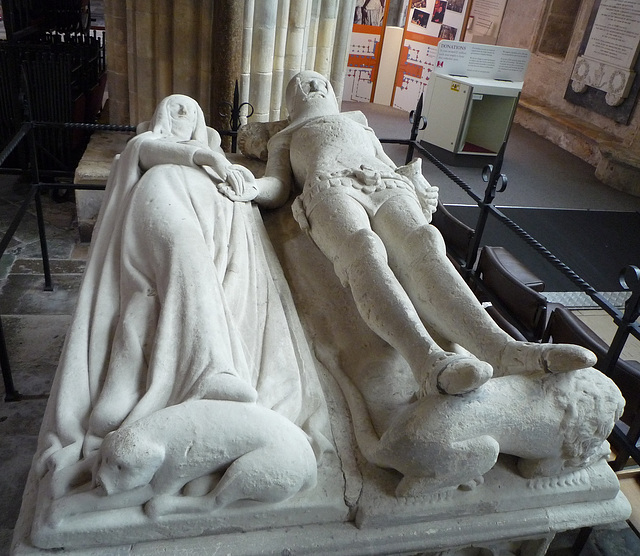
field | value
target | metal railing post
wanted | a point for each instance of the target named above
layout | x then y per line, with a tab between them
419	123
233	113
630	281
493	176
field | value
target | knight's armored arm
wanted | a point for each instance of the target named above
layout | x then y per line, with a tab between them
275	186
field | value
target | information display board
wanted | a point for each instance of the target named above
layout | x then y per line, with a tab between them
428	22
369	22
479	60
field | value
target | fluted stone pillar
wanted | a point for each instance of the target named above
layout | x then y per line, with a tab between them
155	48
226	56
261	59
200	48
115	16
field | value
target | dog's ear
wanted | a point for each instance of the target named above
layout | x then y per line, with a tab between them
148	455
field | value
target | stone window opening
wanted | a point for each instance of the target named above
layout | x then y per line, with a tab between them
557	27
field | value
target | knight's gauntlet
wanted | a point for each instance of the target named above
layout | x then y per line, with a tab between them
427	193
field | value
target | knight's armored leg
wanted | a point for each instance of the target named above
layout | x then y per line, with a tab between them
360	261
447	305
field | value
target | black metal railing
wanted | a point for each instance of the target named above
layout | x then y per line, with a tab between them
64	78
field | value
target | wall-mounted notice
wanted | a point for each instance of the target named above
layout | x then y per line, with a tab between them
364	56
615	35
611	51
487	18
480	60
428	22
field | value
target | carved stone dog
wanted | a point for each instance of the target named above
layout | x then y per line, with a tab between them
555	423
263	456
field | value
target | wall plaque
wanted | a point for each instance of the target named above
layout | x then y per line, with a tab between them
604	75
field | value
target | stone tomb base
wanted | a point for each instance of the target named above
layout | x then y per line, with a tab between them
505	512
353	510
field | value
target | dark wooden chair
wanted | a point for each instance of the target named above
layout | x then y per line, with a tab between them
458	237
566	327
513	292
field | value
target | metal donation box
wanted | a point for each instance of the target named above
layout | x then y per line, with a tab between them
472	97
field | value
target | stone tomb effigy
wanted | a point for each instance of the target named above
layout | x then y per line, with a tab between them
223	387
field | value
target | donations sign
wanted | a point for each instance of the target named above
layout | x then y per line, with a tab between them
479	60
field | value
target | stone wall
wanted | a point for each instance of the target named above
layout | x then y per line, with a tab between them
612	148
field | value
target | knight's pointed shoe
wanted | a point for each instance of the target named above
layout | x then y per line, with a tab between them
454	374
528	357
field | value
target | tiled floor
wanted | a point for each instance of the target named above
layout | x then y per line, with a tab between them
35	323
603	325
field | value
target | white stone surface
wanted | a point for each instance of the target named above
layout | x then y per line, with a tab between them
184	326
372	221
402	467
93	169
361	513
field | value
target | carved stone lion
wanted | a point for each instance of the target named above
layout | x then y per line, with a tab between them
555	424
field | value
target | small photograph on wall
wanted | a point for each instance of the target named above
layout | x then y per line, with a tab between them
369	12
448	33
420	18
438	11
456	5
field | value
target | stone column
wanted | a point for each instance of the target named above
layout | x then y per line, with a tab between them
263	31
226	56
326	35
117	60
341	45
200	47
281	37
155	48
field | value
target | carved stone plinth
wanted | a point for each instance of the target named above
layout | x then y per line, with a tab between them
615	81
389	526
93	169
